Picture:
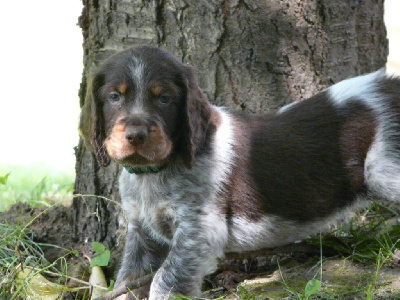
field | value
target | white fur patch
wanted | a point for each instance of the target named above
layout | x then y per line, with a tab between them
137	68
362	87
216	231
273	231
223	154
143	200
382	169
287	107
219	168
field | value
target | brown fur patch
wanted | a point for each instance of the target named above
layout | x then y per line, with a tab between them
156	89
122	87
159	143
356	138
116	144
295	164
215	119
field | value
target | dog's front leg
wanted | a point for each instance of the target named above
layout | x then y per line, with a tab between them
142	256
196	246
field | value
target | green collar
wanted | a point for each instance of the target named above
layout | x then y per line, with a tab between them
144	169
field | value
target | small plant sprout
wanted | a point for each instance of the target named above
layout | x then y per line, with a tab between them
97	278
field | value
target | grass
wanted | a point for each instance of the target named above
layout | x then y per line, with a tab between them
22	261
35	184
366	236
13	238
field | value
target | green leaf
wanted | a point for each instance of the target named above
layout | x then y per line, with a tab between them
98	247
369	292
102	260
311	287
3	179
111	287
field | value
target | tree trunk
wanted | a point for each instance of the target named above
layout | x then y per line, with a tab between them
251	55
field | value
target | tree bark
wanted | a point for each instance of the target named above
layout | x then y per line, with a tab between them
251	55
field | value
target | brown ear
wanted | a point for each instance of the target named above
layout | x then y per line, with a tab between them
197	118
91	122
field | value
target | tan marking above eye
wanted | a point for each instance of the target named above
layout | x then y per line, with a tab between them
122	87
156	89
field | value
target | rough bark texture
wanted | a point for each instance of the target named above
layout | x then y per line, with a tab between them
251	55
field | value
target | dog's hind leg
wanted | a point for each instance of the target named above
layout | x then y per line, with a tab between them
382	164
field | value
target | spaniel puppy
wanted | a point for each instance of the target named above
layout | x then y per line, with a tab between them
200	180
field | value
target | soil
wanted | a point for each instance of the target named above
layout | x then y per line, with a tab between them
51	226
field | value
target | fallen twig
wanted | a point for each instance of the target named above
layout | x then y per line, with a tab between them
125	288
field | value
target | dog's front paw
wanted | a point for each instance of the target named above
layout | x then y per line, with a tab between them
159	290
165	289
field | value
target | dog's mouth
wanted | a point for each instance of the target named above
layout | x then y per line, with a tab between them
140	156
138	160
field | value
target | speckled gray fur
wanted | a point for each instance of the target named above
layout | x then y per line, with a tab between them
176	198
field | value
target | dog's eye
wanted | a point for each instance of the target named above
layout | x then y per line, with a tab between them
114	97
164	100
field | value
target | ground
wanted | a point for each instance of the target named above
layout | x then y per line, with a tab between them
273	274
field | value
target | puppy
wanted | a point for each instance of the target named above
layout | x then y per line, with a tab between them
200	180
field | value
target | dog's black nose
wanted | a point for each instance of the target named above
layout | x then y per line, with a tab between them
136	135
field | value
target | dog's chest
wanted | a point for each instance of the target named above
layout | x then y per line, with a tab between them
159	220
150	204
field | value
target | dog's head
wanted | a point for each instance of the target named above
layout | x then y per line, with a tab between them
142	108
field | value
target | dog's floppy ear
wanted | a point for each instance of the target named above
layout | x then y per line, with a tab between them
197	118
91	121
